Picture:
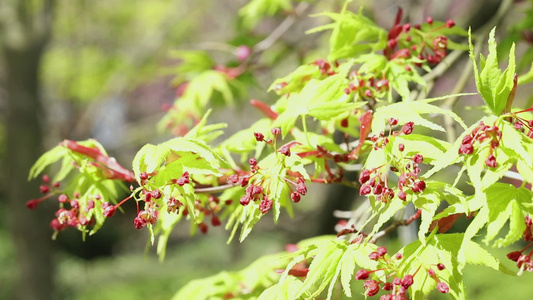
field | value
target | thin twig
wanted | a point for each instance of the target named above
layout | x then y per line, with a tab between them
214	189
395	225
281	29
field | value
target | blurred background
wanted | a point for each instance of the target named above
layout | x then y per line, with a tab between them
103	68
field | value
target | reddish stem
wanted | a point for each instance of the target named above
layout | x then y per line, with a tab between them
264	109
366	124
116	171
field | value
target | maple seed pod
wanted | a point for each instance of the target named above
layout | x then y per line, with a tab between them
443	287
362	274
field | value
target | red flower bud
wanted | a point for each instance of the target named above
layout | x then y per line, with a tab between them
362	274
109	211
46	179
295	197
215	221
259	136
44	189
381	251
443	287
408	127
32	204
418	158
407	281
265	205
450	23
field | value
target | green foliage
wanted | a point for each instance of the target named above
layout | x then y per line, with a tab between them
362	92
494	85
352	34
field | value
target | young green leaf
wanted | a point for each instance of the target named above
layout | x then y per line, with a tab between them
352	34
411	112
494	85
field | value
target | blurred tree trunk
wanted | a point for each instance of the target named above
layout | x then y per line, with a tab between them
25	32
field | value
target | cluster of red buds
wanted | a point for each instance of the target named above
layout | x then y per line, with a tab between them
72	212
381	140
397	286
77	215
524	261
254	180
324	67
366	88
47	189
152	204
427	45
524	126
481	134
409	176
375	181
